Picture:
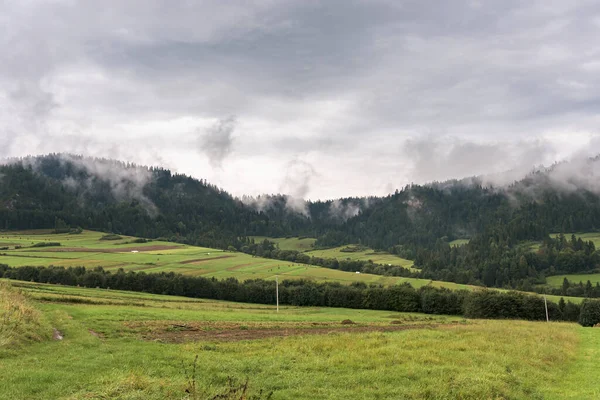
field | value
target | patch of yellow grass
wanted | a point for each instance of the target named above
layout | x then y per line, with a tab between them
19	321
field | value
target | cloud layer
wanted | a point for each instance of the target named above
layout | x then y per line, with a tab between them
370	94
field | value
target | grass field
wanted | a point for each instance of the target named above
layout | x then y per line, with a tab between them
557	280
459	242
292	243
363	255
88	250
585	236
127	345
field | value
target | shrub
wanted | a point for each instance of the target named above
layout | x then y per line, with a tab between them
590	313
46	244
111	236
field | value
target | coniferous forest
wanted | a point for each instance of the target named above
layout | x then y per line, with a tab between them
418	222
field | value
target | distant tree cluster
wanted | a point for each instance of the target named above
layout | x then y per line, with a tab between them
401	298
502	257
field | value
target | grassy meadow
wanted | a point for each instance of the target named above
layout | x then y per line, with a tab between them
87	249
127	345
459	242
378	257
585	236
290	243
366	254
557	280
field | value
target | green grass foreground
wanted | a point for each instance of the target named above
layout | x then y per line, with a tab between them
126	345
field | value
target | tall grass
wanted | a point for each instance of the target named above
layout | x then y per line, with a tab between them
20	322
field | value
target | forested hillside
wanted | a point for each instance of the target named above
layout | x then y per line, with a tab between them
59	191
67	192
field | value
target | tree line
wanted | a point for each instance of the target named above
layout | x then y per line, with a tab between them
507	257
401	298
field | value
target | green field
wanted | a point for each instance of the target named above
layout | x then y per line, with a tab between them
378	257
585	236
292	243
88	250
127	345
557	280
459	242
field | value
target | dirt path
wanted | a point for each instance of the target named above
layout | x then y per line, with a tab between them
201	260
191	332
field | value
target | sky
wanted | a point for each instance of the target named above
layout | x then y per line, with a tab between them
316	99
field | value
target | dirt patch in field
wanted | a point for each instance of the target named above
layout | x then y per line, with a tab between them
96	334
201	260
231	332
115	250
238	267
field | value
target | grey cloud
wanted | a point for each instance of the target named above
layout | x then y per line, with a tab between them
435	159
125	183
296	185
345	210
476	87
217	141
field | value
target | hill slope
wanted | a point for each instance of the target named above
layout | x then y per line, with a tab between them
416	223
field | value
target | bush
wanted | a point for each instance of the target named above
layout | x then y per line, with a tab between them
46	244
111	236
590	313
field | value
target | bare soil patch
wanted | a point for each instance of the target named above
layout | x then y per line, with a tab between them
181	332
238	267
96	334
201	260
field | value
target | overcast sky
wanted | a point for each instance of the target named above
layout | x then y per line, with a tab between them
313	98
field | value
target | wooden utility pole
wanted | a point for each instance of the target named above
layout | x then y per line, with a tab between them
277	292
546	305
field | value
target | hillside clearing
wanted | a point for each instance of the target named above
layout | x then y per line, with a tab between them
291	243
354	252
557	280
